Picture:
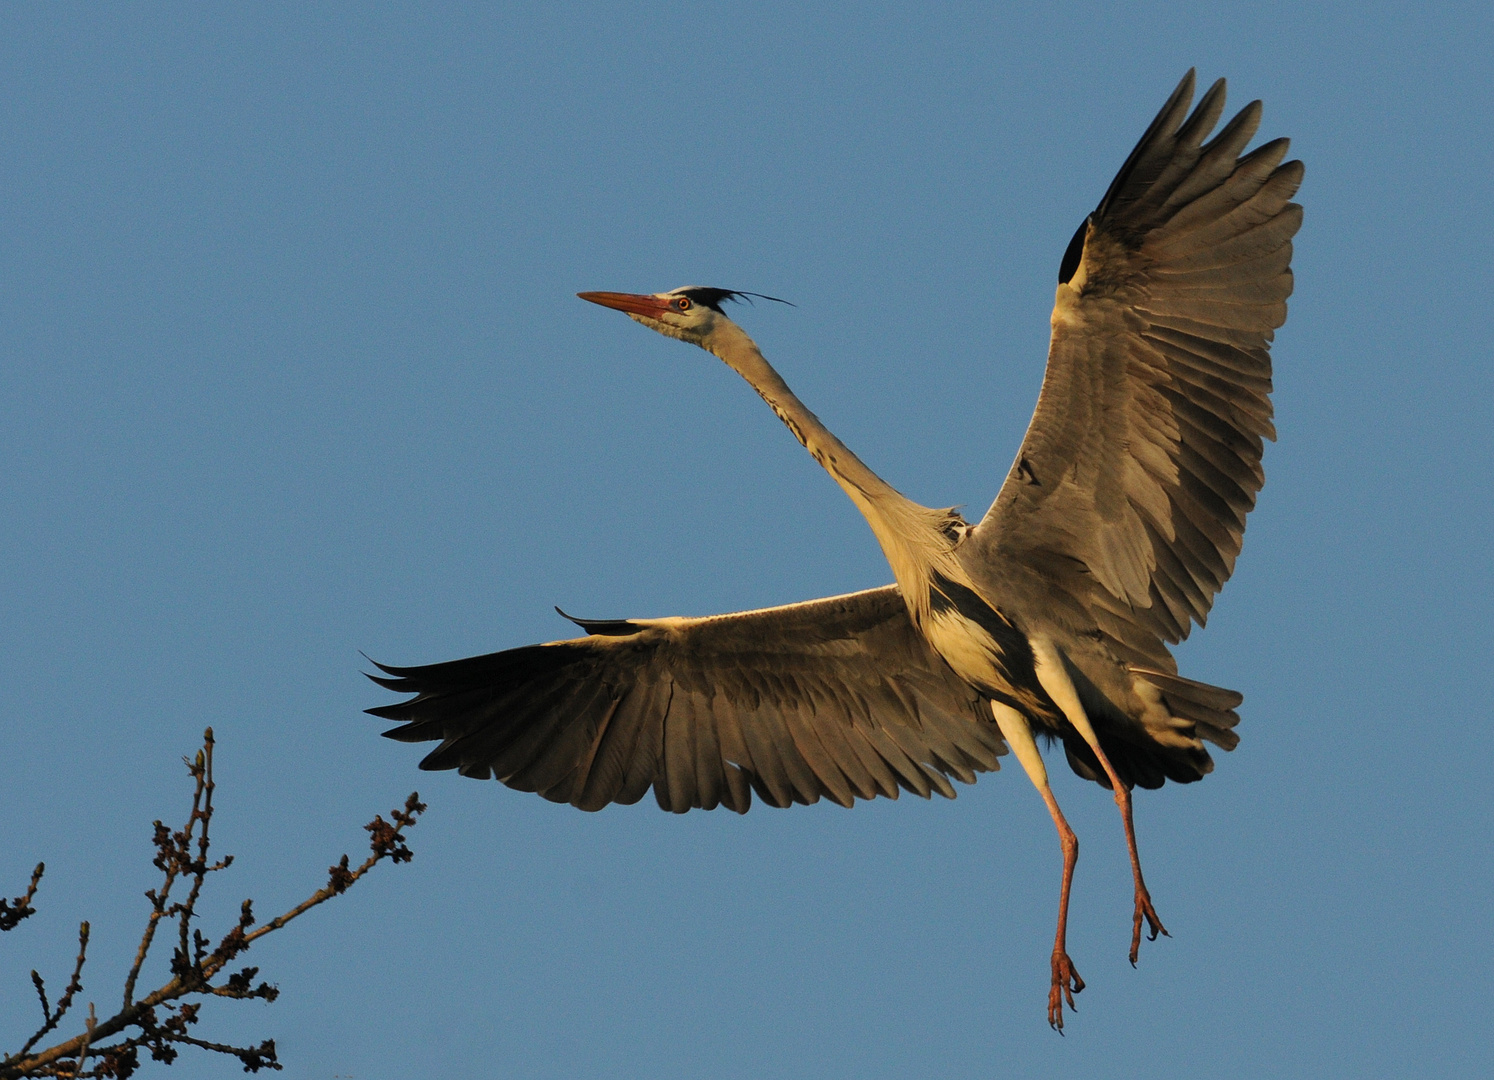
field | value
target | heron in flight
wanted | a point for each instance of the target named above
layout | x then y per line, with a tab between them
1119	521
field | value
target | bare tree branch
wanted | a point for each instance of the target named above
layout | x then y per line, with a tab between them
183	854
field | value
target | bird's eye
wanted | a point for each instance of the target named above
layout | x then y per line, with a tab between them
683	303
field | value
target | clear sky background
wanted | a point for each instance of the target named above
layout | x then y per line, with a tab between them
291	367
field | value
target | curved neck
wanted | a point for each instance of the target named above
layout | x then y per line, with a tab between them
741	353
913	537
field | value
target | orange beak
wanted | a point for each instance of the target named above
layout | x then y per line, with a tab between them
632	303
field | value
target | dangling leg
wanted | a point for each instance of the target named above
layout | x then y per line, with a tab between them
1018	734
1055	680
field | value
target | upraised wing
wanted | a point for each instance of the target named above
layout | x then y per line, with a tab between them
839	697
1143	458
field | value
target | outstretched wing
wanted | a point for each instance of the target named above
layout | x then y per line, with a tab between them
1144	455
840	697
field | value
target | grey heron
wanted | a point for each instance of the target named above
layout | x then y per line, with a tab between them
1119	521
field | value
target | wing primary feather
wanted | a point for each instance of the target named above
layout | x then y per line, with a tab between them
1166	120
594	790
830	779
709	779
679	739
645	764
836	735
769	775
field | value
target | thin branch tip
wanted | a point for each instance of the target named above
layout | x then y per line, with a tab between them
12	912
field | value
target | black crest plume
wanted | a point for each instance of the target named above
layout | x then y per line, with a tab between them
712	298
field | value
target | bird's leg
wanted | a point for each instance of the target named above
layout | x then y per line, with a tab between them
1054	677
1018	734
1143	907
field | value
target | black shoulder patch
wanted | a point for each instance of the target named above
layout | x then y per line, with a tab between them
946	595
1022	690
1074	254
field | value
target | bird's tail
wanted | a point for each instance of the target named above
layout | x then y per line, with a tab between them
1196	711
1211	708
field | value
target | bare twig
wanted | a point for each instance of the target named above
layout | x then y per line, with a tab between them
13	911
194	966
87	1038
173	857
65	1002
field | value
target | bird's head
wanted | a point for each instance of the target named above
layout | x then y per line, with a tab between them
691	313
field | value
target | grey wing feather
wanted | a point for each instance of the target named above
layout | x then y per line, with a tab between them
840	698
1144	454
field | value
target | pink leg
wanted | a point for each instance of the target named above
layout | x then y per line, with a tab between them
1144	908
1066	981
1053	675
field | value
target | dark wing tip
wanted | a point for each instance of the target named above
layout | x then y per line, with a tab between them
397	672
1168	117
395	683
601	627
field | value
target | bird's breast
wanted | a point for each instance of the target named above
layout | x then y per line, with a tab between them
982	645
967	647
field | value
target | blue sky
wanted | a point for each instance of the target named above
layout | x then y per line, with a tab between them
291	367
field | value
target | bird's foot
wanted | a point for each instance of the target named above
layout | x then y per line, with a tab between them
1066	983
1144	910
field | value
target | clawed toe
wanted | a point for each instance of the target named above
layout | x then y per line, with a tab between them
1066	983
1144	910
